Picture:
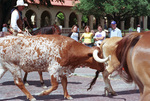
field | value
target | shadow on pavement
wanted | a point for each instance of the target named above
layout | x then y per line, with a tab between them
37	83
51	97
61	97
123	93
127	92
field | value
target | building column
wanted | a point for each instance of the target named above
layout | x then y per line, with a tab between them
38	20
141	21
79	20
122	25
91	21
67	23
102	22
132	22
53	20
145	22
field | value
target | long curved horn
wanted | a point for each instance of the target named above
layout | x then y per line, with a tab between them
95	55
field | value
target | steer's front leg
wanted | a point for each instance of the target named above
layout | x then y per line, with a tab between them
20	84
64	84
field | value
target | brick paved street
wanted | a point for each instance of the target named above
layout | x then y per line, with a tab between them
77	88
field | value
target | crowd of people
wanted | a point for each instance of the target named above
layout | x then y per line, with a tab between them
98	37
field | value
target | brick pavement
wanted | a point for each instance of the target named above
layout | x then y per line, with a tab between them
77	85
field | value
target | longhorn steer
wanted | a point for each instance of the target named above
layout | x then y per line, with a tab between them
108	47
58	55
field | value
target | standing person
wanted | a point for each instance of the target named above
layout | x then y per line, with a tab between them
74	33
109	30
4	29
138	28
87	35
115	31
99	36
17	22
34	28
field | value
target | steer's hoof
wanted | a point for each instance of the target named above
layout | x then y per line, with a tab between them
106	92
114	94
33	99
68	98
26	84
41	93
44	86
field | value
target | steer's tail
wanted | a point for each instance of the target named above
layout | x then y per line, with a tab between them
97	72
94	80
121	52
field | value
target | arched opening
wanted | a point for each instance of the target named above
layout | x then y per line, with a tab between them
31	18
136	22
85	21
45	19
73	19
127	23
148	22
60	19
94	23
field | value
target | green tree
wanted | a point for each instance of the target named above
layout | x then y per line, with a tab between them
117	10
7	5
85	18
61	18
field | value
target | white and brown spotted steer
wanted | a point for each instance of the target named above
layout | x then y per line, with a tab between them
58	55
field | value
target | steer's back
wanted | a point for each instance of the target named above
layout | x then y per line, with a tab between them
31	53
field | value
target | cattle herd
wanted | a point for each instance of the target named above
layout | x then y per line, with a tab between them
60	56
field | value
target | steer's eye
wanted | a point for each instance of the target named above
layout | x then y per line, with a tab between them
90	55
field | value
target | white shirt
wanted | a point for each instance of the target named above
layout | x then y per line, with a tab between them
100	34
74	36
14	18
115	32
34	29
4	29
109	30
138	29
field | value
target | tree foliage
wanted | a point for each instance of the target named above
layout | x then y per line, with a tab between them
7	5
117	10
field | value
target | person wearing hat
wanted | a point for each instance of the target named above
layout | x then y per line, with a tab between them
115	32
16	25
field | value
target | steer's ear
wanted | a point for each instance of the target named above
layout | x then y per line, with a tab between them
90	54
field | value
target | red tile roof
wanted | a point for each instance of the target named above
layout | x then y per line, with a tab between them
69	3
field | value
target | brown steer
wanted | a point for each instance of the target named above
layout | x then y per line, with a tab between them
108	47
58	55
